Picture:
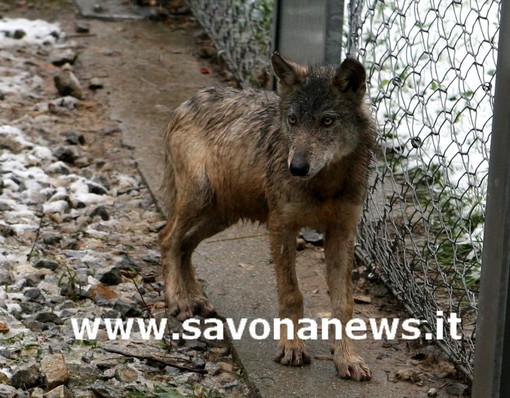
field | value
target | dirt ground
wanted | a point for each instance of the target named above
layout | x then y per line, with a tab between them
416	369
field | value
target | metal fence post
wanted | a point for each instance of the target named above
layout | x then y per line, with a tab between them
492	355
309	32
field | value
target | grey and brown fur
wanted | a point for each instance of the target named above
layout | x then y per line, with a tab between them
291	160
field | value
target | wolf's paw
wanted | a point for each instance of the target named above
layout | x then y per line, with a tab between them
292	353
187	307
353	368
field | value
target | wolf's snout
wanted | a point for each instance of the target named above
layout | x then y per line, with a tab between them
299	166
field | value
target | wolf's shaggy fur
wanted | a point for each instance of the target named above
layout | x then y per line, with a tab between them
296	159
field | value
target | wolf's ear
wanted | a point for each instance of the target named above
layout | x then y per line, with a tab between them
289	73
350	79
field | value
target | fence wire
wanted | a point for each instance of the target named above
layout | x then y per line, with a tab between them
431	67
241	32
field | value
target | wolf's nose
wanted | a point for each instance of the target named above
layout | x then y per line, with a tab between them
299	167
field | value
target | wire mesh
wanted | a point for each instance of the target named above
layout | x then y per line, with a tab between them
432	67
241	31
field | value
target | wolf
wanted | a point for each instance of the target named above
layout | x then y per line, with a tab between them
297	158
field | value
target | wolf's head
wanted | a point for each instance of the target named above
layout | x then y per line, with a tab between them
323	112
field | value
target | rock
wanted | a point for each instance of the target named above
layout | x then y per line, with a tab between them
67	154
30	307
362	299
125	374
3	378
13	144
111	277
35	326
212	368
127	308
59	392
84	394
186	378
48	264
312	236
101	212
8	391
128	267
5	207
171	370
19	34
74	138
6	230
225	366
87	357
57	209
82	27
37	392
67	102
6	277
58	168
26	377
231	384
74	291
51	240
59	57
432	392
102	390
408	374
196	345
54	371
97	189
83	373
35	294
47	317
96	83
199	363
149	277
32	280
4	327
103	292
67	83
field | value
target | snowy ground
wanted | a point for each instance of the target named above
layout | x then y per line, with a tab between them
78	239
432	66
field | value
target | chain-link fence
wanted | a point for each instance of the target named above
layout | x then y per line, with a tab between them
241	31
431	67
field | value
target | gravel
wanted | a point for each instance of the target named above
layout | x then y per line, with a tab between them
78	241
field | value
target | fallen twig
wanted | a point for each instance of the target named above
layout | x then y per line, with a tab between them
154	356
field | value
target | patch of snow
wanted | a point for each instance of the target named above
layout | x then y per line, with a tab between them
432	67
35	32
59	206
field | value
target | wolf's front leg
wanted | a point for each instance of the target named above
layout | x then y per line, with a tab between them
290	352
339	252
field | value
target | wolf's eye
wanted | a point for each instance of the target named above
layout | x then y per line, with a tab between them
292	119
327	121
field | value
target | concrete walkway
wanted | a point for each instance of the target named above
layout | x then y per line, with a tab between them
150	69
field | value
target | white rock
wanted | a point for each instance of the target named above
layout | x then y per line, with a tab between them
59	206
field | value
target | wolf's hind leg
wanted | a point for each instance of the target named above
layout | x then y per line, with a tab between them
191	223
